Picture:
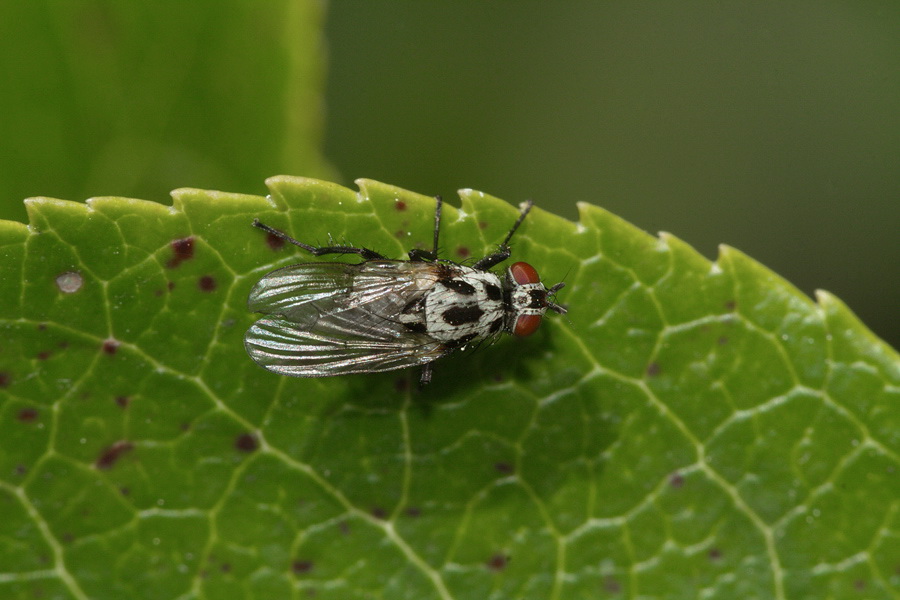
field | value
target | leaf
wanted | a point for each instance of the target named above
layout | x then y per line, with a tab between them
688	429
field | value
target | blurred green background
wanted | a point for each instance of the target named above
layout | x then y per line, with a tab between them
773	127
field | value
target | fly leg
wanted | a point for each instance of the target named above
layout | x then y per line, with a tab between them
365	253
503	251
424	255
425	379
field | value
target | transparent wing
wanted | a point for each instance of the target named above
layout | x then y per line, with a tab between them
334	287
350	341
334	318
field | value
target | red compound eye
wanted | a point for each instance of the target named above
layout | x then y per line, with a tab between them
524	273
526	324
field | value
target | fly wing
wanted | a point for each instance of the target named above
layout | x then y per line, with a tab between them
350	341
333	287
334	319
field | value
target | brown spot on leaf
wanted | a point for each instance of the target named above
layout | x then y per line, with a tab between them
497	562
110	346
653	369
123	401
731	305
182	250
274	242
111	454
504	467
379	513
5	379
611	585
207	283
463	251
676	480
171	285
246	442
301	567
482	225
225	567
413	511
723	340
21	470
28	415
400	205
125	491
44	355
714	554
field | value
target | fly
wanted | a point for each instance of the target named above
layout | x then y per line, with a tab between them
327	318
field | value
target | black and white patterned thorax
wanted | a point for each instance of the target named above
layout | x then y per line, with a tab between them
464	305
325	319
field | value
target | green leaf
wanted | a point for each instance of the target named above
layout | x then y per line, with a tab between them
689	429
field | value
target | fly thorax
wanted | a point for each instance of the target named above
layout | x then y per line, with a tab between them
465	307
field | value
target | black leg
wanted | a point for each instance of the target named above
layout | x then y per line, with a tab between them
503	251
426	375
419	255
320	250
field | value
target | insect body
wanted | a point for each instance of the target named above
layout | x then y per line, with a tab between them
327	319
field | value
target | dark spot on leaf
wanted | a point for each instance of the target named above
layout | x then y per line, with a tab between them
399	234
171	285
158	293
714	554
400	205
68	537
125	491
462	251
207	283
504	467
69	282
182	250
497	562
274	242
5	379
731	305
44	355
301	567
225	567
28	415
42	326
110	346
611	585
185	426
62	345
84	395
859	585
653	369
497	377
676	480
379	513
413	511
344	528
123	401
722	340
21	470
111	454
482	225
246	442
